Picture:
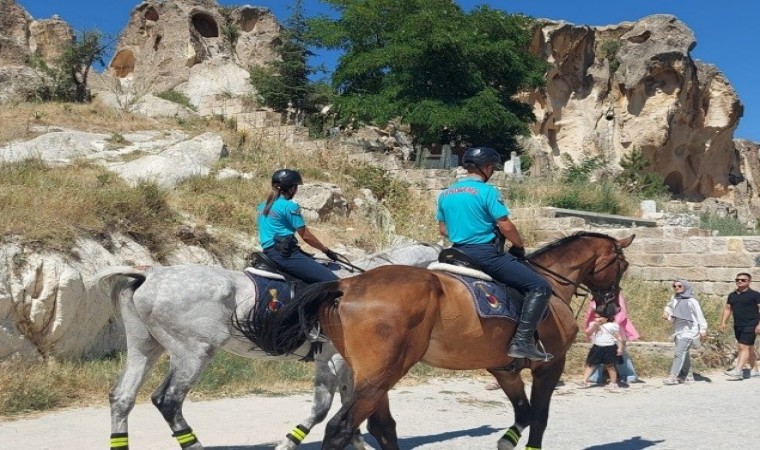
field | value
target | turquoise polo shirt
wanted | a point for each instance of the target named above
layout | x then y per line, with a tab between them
470	208
283	220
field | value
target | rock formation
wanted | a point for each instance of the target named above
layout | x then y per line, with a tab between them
634	86
195	47
21	40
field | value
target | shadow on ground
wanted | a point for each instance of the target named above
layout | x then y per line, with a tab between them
410	442
634	443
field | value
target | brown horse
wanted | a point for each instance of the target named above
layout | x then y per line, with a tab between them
388	319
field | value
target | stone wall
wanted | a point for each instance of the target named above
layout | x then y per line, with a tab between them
661	254
710	263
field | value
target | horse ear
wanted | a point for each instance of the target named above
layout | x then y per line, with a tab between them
623	243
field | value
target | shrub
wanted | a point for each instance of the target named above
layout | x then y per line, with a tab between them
176	97
725	226
637	180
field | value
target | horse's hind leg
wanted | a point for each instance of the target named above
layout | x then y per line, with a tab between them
142	353
545	378
332	373
186	363
382	426
512	385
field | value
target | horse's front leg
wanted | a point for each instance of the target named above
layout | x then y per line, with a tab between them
545	378
512	385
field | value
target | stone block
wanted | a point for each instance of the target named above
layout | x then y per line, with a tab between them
752	244
695	245
660	246
647	259
735	244
678	260
738	260
649	233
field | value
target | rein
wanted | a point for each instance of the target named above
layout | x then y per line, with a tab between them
350	267
606	296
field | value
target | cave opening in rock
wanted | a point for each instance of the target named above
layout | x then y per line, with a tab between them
151	14
249	17
123	63
205	25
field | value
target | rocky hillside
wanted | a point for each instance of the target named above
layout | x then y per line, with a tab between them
610	90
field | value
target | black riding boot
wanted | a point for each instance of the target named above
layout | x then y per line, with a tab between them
523	345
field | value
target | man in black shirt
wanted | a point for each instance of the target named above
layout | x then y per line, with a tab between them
744	303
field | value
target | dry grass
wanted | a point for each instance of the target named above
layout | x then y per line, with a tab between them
52	207
534	192
19	119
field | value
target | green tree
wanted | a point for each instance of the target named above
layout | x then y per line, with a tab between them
67	79
441	70
284	83
637	179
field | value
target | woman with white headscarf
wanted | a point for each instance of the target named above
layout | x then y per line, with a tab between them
689	325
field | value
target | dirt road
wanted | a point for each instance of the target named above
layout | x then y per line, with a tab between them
442	414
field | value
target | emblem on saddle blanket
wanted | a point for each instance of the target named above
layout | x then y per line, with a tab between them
271	293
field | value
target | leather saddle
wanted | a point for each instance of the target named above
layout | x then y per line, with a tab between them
458	258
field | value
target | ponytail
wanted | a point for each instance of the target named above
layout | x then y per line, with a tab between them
271	197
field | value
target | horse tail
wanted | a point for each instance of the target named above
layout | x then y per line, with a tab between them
116	281
283	331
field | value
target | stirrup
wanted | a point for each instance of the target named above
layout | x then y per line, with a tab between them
532	353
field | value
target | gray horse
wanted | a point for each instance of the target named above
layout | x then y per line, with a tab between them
187	311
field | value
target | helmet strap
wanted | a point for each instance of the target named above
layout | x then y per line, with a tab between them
485	177
289	192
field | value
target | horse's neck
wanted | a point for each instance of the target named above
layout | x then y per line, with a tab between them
572	268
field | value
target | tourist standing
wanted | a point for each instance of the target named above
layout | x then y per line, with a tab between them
744	304
689	325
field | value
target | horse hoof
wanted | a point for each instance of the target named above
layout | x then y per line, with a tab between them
360	444
287	444
504	444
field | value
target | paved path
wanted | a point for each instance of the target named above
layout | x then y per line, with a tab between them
443	414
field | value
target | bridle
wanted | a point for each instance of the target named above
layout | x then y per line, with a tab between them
604	297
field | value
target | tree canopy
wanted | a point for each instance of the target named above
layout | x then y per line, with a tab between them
284	83
445	72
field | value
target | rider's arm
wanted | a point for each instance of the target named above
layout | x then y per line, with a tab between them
442	230
310	239
508	229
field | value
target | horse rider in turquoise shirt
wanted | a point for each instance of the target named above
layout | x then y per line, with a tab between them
279	219
471	214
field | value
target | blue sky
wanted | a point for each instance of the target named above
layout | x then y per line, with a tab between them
726	31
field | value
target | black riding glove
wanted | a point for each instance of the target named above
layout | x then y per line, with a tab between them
331	254
517	252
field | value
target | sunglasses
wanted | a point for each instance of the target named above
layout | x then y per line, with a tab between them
677	286
741	280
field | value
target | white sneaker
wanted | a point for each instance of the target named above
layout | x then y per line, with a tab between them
754	373
734	373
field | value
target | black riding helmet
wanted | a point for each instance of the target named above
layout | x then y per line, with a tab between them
286	178
480	156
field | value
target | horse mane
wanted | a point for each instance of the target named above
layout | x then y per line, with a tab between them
567	239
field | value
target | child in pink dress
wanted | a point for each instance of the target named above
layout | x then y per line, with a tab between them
625	370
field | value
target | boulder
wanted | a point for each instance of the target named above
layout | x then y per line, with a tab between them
175	163
320	200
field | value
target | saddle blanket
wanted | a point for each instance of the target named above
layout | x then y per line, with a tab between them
271	294
491	299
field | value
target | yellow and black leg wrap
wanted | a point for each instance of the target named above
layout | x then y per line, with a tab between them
512	435
119	441
185	437
298	434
